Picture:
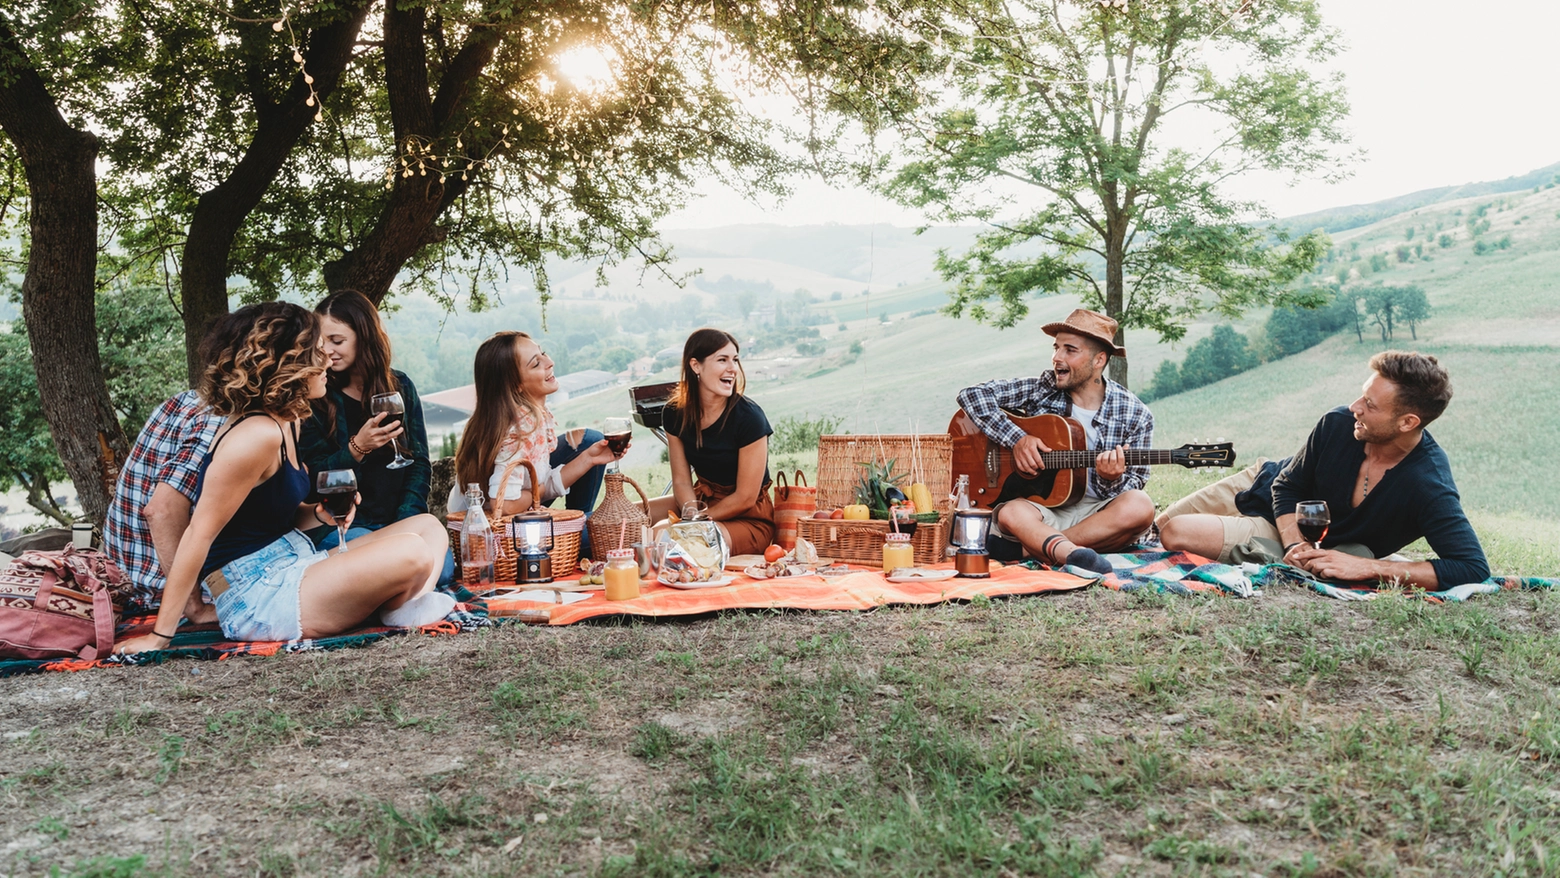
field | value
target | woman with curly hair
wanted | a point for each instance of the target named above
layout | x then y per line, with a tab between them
265	578
514	377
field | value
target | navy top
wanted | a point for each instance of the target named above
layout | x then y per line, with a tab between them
265	515
1416	498
716	461
389	495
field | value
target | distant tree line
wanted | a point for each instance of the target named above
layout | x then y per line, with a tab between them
1291	329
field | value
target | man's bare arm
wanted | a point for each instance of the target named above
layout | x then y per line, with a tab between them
167	515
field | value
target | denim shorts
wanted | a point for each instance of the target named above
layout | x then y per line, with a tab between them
261	601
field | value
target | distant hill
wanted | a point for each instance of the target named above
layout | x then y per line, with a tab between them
1353	216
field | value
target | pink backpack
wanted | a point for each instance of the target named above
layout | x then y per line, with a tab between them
61	604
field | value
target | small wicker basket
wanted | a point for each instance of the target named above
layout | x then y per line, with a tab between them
617	523
567	525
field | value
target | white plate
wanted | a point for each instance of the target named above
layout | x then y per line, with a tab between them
926	576
709	583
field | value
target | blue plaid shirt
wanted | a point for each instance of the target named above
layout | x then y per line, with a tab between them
1123	419
169	450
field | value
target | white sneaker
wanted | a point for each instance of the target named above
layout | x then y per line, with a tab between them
425	609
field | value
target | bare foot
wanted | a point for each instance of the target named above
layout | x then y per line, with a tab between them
198	612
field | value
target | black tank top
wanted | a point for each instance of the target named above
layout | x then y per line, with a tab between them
266	514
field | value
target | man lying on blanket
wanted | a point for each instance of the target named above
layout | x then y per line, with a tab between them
1385	480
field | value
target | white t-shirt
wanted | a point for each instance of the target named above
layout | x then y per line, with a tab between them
1085	418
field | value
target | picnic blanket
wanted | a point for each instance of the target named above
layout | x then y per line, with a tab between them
1186	574
863	589
206	642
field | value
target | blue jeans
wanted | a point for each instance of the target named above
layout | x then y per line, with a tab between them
261	600
328	538
582	494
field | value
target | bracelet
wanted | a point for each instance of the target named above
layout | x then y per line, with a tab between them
1292	545
167	637
356	449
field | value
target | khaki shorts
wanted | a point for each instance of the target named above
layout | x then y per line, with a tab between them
1060	518
1246	537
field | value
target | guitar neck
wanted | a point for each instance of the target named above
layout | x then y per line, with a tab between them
1085	459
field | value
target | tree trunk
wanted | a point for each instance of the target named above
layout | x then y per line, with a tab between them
220	212
1115	292
59	291
410	217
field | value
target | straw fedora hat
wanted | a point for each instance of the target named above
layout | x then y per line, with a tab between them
1092	324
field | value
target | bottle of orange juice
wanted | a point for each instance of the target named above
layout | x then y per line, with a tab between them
622	575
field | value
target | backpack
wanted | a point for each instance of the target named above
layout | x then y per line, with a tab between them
61	604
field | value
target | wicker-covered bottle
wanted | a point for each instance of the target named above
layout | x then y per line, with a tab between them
607	524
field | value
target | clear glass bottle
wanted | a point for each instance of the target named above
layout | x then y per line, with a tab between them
961	492
478	546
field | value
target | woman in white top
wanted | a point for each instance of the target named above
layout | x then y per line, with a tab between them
514	377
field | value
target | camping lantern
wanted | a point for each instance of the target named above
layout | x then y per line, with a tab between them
533	543
971	527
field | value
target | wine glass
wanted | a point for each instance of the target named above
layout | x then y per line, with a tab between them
338	491
617	432
391	403
1313	519
695	510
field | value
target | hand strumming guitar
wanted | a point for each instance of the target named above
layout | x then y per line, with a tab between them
1026	455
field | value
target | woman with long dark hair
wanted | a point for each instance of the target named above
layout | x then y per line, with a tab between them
266	579
345	432
715	432
514	377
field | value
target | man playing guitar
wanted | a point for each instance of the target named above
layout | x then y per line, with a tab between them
1114	509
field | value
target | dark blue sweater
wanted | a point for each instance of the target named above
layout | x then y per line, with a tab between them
1416	498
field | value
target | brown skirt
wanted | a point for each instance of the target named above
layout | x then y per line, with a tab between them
753	529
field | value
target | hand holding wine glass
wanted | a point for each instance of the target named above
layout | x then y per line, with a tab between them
1313	519
618	432
338	495
394	408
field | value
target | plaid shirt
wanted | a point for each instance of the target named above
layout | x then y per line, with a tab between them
169	450
1123	419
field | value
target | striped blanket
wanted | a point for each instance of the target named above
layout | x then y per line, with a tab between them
206	642
1187	574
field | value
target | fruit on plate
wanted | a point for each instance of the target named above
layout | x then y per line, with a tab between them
773	554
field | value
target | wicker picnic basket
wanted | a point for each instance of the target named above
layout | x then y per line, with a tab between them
567	525
861	542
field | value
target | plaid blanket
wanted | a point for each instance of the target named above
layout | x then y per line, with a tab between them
206	641
1187	574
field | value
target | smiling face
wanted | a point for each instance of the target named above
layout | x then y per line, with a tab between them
1077	361
340	344
718	372
536	370
1376	415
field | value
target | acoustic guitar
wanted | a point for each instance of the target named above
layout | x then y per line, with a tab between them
995	479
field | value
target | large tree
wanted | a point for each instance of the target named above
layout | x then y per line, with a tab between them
1095	141
58	301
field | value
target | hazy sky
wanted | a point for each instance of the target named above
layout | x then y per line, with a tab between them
1443	92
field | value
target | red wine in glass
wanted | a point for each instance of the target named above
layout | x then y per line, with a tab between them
617	432
338	492
395	407
1313	519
